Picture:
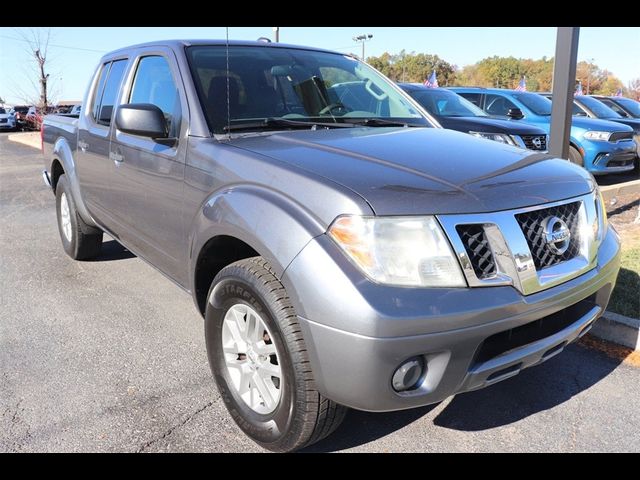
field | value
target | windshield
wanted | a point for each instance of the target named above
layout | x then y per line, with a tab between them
630	105
599	109
534	102
444	103
2	111
268	84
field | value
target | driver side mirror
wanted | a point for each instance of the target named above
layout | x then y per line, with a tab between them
144	119
515	113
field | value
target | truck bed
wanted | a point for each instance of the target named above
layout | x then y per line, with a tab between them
56	126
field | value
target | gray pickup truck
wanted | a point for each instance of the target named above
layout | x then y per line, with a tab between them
343	249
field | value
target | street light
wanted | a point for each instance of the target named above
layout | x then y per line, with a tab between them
276	34
363	38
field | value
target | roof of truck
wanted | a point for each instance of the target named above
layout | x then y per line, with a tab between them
179	44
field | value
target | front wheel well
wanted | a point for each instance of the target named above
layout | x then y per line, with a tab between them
216	254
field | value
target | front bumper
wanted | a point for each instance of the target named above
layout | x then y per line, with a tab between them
618	157
357	333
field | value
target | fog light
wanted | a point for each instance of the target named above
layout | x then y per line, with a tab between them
408	375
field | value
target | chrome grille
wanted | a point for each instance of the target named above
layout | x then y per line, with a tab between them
477	246
617	136
532	225
530	141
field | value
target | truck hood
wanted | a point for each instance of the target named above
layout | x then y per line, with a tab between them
599	124
404	171
489	125
631	122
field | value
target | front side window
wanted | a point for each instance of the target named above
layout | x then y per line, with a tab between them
109	94
498	105
614	106
154	84
281	85
599	109
631	105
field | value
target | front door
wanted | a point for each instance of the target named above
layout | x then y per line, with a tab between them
151	172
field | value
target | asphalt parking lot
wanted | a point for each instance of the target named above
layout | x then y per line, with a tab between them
109	355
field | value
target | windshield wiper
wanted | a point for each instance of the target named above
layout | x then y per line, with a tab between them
271	123
381	122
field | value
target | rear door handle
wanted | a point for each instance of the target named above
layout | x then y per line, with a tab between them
116	157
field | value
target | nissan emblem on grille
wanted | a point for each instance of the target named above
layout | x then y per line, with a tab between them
556	234
537	142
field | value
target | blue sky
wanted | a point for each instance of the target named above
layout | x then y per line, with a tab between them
617	49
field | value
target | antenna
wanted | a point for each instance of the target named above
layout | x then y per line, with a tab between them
228	94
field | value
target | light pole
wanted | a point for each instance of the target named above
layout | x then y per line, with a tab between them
363	38
276	34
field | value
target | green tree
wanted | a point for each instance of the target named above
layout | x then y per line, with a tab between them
414	67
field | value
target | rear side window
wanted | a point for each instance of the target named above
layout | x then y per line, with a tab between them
577	110
98	95
107	91
154	84
472	97
111	89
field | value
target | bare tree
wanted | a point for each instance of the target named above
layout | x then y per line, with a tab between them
634	88
37	40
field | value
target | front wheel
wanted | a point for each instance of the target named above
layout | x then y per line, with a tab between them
575	157
259	360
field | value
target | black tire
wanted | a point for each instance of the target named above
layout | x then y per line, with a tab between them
303	416
86	241
575	157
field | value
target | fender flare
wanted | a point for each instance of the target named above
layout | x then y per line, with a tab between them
274	225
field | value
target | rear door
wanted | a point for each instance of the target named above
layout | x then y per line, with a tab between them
150	172
92	157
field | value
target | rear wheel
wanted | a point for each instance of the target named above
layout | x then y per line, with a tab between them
260	362
575	157
79	240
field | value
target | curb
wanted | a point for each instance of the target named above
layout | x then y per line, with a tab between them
611	191
618	329
30	139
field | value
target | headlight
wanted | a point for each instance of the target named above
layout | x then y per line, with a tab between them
409	251
595	135
497	137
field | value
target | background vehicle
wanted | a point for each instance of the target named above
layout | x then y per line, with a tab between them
7	121
600	146
627	107
20	114
68	108
340	248
586	106
457	113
